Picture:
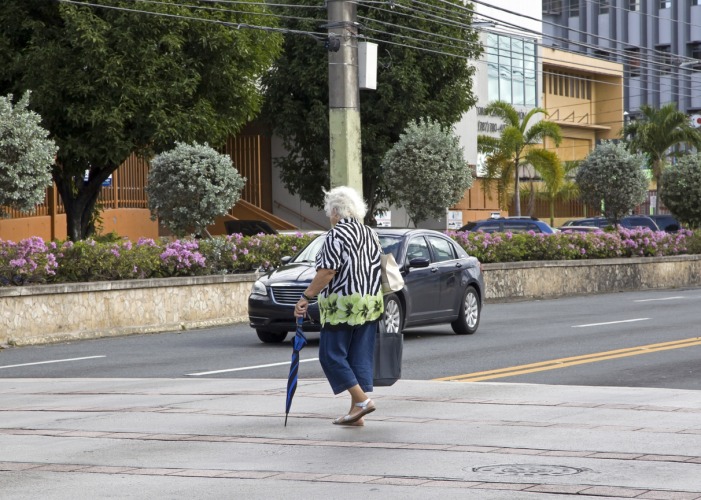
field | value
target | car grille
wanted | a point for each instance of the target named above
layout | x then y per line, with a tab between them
288	295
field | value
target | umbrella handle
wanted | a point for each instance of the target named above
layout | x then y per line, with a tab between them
300	321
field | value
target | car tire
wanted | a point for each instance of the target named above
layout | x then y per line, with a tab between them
393	317
470	312
271	337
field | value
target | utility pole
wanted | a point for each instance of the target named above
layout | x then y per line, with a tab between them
344	96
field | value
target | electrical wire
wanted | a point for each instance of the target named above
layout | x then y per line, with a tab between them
323	34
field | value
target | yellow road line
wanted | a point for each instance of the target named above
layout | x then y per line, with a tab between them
571	361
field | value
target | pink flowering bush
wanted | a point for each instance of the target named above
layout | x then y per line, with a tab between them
34	261
508	247
29	261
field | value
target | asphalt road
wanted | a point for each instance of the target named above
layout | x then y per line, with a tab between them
634	339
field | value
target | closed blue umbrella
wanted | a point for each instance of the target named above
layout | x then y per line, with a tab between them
298	342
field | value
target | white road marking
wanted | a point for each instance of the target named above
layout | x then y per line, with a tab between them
653	300
611	322
248	368
52	361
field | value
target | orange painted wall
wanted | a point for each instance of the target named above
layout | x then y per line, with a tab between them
132	223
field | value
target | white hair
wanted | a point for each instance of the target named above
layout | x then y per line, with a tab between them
344	201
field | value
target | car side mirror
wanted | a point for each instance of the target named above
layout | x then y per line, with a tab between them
285	260
419	262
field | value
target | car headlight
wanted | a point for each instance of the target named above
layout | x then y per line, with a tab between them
259	289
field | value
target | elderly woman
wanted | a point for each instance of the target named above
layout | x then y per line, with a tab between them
348	282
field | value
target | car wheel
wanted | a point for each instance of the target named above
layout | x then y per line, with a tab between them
271	337
393	317
469	315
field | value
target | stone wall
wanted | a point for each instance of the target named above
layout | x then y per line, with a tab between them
55	313
551	279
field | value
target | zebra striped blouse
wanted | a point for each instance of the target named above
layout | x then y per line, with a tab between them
354	295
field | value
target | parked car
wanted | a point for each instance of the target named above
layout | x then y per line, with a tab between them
666	222
442	284
628	222
509	225
580	229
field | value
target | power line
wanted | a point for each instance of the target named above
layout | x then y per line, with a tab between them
228	24
321	34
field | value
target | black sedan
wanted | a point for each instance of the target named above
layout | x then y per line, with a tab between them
442	284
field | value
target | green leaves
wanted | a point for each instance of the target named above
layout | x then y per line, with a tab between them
410	84
612	176
426	170
191	185
111	82
26	155
681	189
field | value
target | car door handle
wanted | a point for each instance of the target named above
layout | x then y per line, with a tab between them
458	264
434	269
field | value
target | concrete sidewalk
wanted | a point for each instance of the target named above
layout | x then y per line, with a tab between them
200	439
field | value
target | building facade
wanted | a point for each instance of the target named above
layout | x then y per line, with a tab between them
657	41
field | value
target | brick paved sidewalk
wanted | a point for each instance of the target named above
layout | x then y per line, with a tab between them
151	438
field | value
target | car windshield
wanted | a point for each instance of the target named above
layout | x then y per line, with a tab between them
390	244
310	251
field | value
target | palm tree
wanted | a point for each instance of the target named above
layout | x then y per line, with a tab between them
517	145
656	132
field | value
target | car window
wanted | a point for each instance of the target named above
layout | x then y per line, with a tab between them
489	227
390	245
417	249
442	249
520	227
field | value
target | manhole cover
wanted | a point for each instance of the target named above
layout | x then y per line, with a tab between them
528	470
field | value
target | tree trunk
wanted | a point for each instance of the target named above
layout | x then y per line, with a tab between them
517	194
657	172
531	198
79	200
552	212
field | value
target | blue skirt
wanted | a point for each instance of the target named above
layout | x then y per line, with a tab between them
346	356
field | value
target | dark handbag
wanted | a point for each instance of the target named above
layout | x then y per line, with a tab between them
388	356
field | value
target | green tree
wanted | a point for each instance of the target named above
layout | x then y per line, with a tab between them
613	176
517	145
411	83
26	155
656	132
190	185
110	81
426	169
681	192
557	184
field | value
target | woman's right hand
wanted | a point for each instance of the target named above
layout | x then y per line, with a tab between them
301	308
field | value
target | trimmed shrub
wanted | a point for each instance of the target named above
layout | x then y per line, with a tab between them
191	185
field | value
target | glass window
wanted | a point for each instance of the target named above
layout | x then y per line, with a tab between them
633	5
664	58
574	8
552	7
695	50
511	70
665	4
417	249
695	2
442	249
632	61
520	227
390	245
603	6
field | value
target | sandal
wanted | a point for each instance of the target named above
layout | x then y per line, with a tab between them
367	406
358	423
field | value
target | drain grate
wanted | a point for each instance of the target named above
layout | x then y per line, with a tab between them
529	470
